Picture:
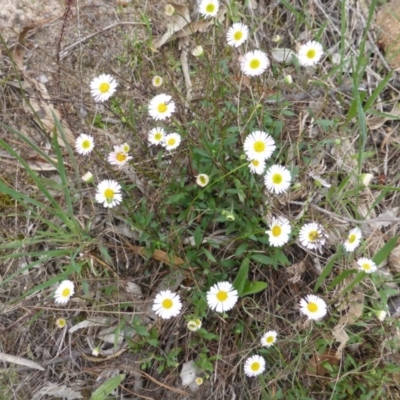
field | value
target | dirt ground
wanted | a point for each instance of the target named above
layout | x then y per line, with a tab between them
53	49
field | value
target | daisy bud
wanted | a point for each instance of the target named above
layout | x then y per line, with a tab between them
169	10
381	314
366	179
198	51
88	177
96	351
277	39
288	79
228	215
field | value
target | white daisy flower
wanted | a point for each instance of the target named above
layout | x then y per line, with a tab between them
199	381
310	53
254	365
172	141
353	239
198	51
367	265
259	146
254	63
209	8
157	81
313	307
156	136
167	304
103	87
277	179
312	236
222	297
237	34
61	322
161	107
118	157
84	144
88	177
269	338
257	166
64	292
109	193
279	231
202	180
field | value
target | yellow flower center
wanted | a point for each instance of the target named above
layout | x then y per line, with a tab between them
312	307
276	231
61	322
162	108
86	144
171	141
313	236
270	339
222	295
259	146
121	157
66	292
255	366
366	267
254	64
352	238
157	81
238	35
104	87
109	193
277	179
167	303
210	8
311	54
256	163
203	180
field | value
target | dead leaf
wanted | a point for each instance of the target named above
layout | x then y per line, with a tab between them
316	363
38	104
188	29
394	260
53	390
384	219
377	121
282	55
342	337
353	310
388	27
177	21
20	361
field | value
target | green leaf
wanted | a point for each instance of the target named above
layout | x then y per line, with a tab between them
198	236
209	255
384	252
241	249
107	387
328	268
253	287
359	277
262	259
241	278
341	278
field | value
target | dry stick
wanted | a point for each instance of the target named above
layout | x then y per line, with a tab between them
65	52
345	219
67	11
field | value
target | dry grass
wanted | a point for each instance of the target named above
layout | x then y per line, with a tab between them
122	258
